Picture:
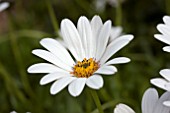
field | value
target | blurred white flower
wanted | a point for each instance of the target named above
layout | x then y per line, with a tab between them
89	45
101	4
164	29
3	6
13	112
114	3
16	112
122	108
163	83
151	103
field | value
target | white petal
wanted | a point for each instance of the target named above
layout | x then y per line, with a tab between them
107	70
86	36
159	82
4	6
72	39
61	41
119	60
96	25
115	32
164	29
159	107
51	58
115	46
53	76
167	86
122	108
44	68
103	39
166	48
95	82
165	73
58	50
60	84
166	19
149	100
76	87
166	103
162	38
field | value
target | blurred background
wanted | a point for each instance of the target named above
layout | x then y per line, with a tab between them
26	22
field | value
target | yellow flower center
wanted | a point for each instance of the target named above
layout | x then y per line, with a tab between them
86	68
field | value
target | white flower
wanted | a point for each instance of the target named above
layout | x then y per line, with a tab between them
3	6
101	4
89	45
13	112
163	83
16	112
151	103
114	3
164	29
122	108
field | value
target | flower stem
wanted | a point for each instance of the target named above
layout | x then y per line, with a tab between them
52	16
118	20
96	100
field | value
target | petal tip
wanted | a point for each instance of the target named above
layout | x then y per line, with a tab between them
166	18
52	92
127	60
156	36
166	103
131	37
34	51
166	48
42	82
29	70
152	80
74	95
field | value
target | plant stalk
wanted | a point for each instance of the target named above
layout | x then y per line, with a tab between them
96	100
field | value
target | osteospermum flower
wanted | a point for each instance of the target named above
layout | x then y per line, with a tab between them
163	83
123	108
3	5
151	103
90	47
164	29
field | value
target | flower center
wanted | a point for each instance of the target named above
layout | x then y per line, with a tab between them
86	68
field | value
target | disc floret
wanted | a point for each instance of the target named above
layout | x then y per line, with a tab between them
85	68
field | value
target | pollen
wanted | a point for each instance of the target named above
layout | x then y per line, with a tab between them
85	68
